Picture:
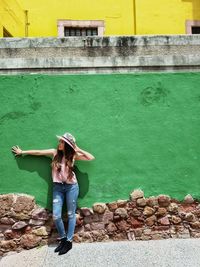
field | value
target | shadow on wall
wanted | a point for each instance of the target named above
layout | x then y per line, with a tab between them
195	9
83	182
42	165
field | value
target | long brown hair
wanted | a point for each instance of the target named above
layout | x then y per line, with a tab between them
68	153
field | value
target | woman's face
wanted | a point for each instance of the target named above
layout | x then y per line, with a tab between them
61	145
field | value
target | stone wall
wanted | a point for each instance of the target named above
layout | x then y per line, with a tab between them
24	225
100	54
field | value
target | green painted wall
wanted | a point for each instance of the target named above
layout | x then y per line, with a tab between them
143	130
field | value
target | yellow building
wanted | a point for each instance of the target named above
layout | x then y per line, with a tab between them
12	19
36	18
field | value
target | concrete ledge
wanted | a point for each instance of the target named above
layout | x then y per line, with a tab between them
100	41
99	62
90	54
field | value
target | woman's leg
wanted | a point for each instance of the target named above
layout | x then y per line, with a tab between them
58	200
71	200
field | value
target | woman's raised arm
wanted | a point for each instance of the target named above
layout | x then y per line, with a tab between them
44	152
82	154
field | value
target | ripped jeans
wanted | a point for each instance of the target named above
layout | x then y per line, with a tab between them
60	192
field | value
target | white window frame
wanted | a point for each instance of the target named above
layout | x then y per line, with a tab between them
191	23
61	24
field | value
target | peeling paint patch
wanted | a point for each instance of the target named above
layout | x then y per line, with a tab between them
153	95
14	115
35	106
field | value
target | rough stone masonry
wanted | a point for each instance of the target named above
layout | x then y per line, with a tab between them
25	225
100	54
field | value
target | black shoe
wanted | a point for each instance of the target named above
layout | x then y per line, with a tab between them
62	242
67	246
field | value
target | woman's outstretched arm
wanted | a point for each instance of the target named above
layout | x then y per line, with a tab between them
82	155
45	152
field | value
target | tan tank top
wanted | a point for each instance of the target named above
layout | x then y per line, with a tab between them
63	175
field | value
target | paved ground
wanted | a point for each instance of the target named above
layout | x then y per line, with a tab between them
160	253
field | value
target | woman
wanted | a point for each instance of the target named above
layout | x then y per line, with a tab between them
64	183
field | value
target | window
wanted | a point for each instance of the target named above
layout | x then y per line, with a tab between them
72	31
6	33
195	30
193	26
80	28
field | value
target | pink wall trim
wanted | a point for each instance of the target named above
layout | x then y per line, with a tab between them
80	23
189	24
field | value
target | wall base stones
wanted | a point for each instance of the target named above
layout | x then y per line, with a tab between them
24	225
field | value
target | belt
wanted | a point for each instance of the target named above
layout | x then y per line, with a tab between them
60	183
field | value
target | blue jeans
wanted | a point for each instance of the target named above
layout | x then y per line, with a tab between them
60	192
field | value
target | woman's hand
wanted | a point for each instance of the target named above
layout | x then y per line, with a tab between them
17	151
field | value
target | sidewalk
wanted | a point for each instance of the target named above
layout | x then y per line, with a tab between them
162	253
